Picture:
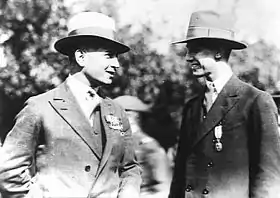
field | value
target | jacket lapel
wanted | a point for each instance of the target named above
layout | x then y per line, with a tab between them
225	101
66	106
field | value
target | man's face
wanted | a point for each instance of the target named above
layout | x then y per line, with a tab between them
201	60
100	65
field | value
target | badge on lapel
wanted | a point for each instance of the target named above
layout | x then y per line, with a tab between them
218	132
114	122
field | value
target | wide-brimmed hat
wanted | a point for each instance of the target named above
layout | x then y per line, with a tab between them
93	29
211	25
132	103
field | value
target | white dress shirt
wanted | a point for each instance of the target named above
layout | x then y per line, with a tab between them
220	83
83	97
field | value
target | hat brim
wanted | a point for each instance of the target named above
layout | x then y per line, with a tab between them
69	44
132	103
276	96
236	45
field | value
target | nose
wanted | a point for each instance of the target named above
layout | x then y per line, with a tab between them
189	58
114	62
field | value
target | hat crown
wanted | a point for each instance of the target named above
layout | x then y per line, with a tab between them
211	25
211	19
90	28
91	19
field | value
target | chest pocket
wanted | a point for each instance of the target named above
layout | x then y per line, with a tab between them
231	122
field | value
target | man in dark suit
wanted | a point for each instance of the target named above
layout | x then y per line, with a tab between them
71	141
229	143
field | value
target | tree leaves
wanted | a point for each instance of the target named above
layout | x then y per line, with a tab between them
32	27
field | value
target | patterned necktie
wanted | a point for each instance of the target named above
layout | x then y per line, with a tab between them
93	100
209	94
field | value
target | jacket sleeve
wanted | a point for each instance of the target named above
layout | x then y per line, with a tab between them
130	171
265	154
17	153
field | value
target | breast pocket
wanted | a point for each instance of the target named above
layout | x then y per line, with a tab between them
230	123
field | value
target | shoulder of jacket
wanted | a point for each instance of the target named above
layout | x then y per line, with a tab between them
46	95
248	89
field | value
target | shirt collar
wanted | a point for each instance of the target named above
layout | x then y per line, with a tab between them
79	88
220	82
85	101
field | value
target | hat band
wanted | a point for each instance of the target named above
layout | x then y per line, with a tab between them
209	32
94	31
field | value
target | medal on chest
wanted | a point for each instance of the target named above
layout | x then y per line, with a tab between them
114	123
218	133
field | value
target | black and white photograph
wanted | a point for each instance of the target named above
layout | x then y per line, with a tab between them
139	99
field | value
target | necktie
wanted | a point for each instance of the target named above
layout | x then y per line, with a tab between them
209	95
93	101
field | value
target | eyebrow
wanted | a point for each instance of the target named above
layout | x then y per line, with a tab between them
111	53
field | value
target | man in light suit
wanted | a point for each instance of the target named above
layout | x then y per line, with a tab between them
71	141
229	142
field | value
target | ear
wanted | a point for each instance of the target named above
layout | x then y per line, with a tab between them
218	56
80	57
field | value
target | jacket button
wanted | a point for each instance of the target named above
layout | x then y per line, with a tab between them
87	168
189	188
205	192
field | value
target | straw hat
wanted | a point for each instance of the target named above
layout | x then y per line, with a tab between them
91	28
211	25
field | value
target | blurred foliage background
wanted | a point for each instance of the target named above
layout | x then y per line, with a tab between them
30	65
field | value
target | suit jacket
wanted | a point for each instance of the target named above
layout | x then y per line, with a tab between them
52	151
248	166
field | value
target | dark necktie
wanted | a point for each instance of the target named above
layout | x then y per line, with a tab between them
96	128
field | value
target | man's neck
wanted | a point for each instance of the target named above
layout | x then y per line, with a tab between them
80	76
222	69
225	73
